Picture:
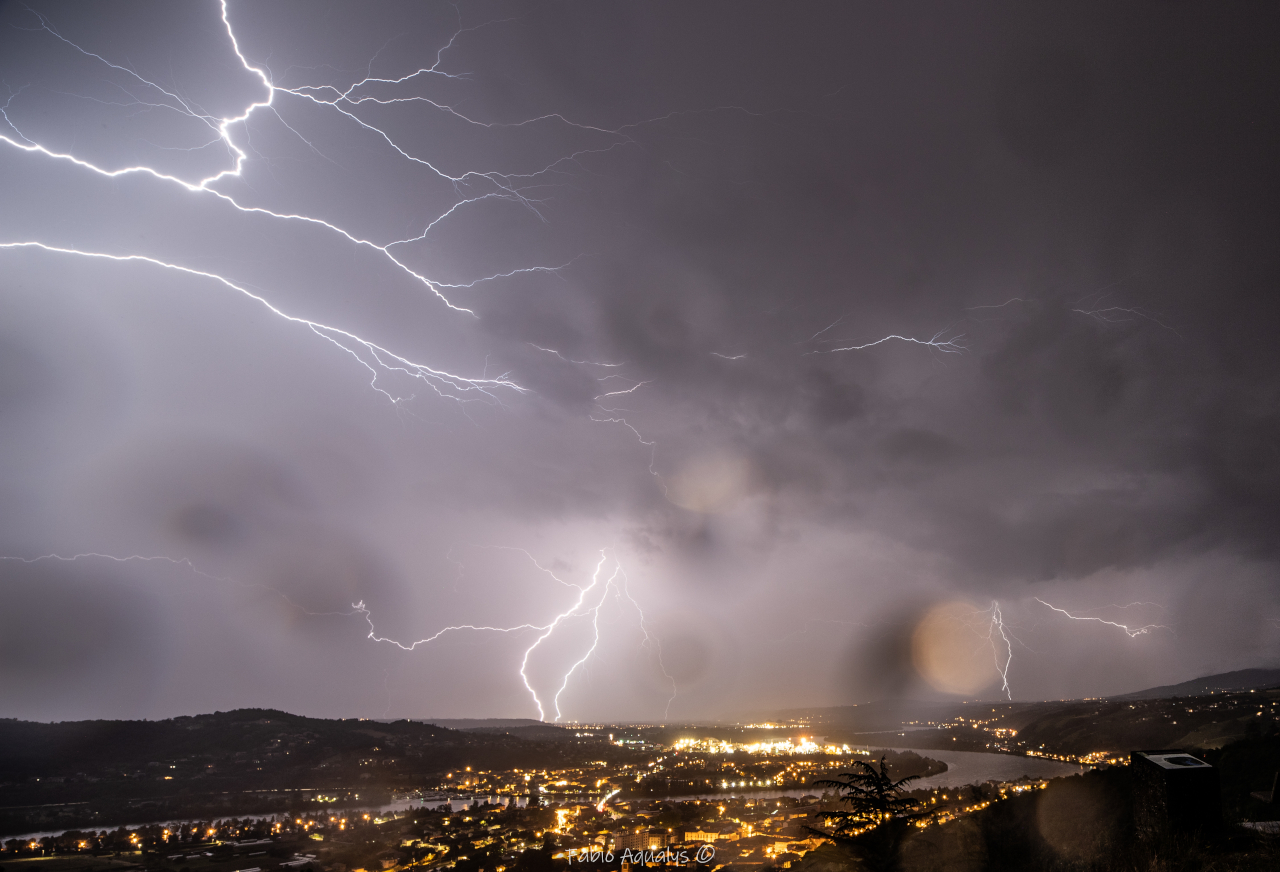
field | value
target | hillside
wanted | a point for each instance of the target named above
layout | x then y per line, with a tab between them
98	772
1241	679
1072	728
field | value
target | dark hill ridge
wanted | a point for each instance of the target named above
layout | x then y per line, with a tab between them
259	740
1241	679
1205	712
524	728
887	715
485	723
240	762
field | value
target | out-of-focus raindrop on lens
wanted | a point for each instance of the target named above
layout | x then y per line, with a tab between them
950	650
710	484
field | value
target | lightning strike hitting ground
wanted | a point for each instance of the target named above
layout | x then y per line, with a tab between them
231	133
590	601
473	187
997	626
1131	631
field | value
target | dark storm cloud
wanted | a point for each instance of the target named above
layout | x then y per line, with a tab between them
715	200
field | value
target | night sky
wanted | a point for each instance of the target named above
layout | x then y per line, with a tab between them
620	379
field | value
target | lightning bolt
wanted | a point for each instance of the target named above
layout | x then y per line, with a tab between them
1007	302
590	601
936	341
375	358
1132	632
228	132
473	187
1120	314
551	628
994	628
231	134
132	558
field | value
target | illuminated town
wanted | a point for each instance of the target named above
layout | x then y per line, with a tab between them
752	802
263	791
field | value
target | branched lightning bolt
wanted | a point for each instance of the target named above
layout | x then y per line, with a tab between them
551	628
579	362
231	133
996	626
1093	308
590	601
375	357
132	558
936	341
1007	302
1131	631
1120	314
230	130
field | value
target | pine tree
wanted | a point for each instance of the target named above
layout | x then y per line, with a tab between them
879	813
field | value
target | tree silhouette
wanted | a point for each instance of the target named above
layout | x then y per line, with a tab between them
878	817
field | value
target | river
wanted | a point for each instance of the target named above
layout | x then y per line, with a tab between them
963	767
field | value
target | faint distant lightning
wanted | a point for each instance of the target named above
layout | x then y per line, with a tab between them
132	558
619	393
650	641
571	360
1133	632
1119	314
1007	302
173	561
941	341
824	329
1094	309
648	443
555	270
937	342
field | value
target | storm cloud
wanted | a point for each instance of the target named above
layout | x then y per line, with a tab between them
661	246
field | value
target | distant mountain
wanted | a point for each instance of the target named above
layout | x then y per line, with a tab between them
522	728
1241	679
481	723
